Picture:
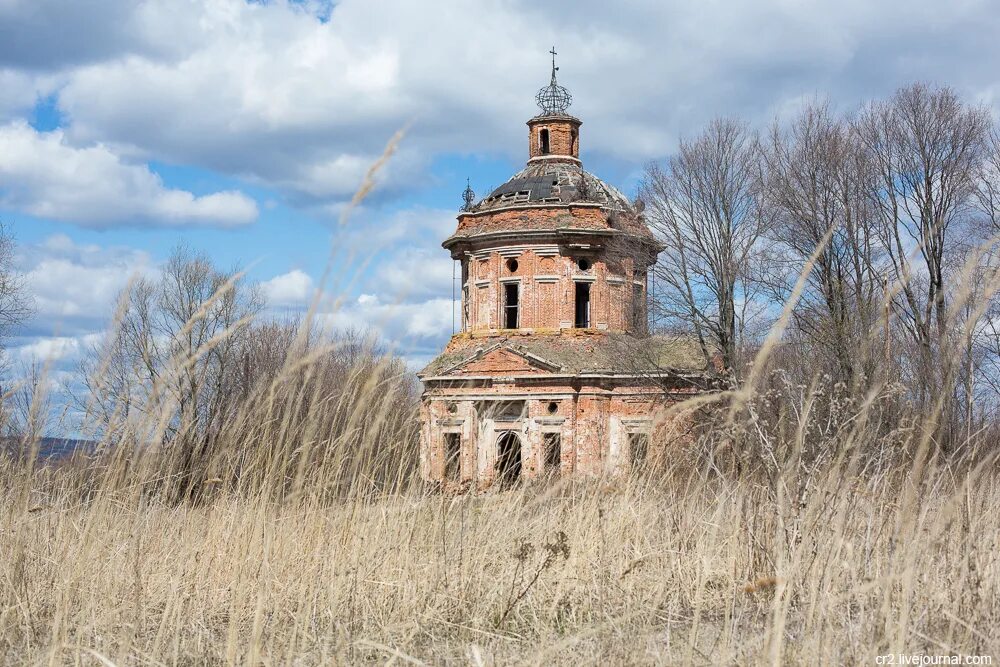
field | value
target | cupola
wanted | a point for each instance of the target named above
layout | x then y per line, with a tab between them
554	135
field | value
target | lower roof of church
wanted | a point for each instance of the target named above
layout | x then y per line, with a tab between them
569	352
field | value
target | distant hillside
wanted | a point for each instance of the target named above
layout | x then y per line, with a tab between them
52	448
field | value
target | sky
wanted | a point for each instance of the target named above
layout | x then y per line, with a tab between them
242	128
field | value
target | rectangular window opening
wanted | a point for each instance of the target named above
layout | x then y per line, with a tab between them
582	305
638	309
453	457
544	141
511	304
638	450
553	452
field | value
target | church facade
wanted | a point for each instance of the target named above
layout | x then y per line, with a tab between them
553	371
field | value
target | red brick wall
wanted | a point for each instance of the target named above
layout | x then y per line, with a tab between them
534	218
547	288
590	419
564	137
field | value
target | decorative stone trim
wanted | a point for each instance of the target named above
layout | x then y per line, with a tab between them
640	425
557	158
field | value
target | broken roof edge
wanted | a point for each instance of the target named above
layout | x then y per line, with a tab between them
537	378
504	234
532	206
542	117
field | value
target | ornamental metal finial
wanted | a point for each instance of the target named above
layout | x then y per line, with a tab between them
468	197
553	98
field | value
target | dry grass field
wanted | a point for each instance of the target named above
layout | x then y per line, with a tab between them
337	555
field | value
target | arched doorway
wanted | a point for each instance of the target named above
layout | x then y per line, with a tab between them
508	459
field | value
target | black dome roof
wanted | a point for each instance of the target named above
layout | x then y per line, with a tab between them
551	182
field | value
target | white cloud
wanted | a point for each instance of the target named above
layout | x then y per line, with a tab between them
406	325
270	89
43	175
75	285
56	348
20	91
301	96
415	273
294	288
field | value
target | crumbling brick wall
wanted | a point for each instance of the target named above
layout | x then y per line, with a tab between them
546	279
564	136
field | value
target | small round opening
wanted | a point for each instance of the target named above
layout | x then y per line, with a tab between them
452	408
512	265
553	407
583	263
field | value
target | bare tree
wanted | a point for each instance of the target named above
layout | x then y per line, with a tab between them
984	356
15	303
705	205
172	354
988	183
926	150
816	181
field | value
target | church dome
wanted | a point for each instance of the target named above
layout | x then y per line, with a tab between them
548	182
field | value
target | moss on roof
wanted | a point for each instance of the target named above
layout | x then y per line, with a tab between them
580	351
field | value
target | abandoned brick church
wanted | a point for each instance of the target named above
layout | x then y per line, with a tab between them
553	371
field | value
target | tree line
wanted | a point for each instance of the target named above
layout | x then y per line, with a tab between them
876	228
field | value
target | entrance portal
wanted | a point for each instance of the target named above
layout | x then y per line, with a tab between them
508	459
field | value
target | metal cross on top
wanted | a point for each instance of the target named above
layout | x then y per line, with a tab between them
553	99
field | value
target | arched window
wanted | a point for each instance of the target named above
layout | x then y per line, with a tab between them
543	141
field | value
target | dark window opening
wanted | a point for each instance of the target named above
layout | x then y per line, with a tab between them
582	305
543	137
638	309
553	451
512	265
638	450
508	460
584	264
453	457
573	140
553	407
511	305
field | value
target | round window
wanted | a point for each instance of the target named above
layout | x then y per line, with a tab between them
553	407
512	265
583	263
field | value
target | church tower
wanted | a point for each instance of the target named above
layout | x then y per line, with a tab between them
553	371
